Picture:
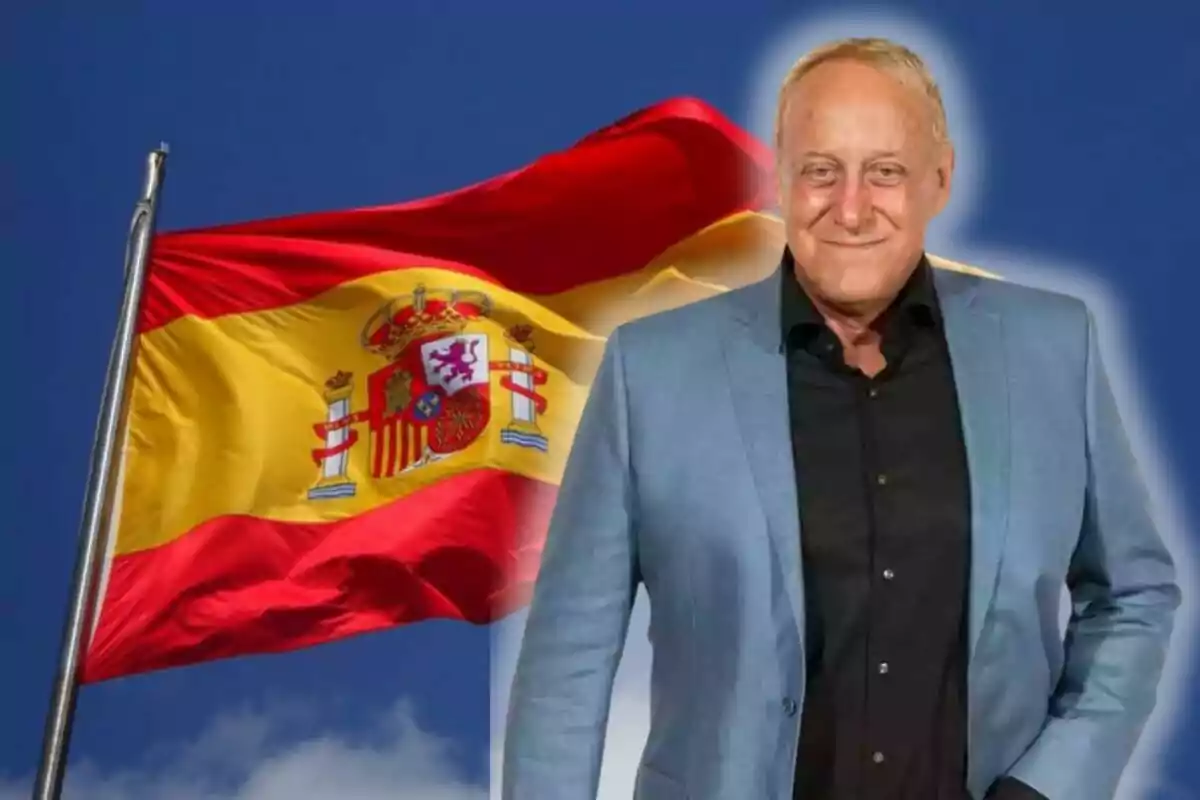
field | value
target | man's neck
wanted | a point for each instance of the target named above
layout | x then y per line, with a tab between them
852	324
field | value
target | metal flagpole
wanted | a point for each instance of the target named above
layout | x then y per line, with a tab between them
94	529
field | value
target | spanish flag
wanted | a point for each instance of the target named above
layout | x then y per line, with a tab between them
341	422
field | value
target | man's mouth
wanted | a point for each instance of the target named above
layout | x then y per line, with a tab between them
855	245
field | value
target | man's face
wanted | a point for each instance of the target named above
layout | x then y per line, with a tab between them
861	176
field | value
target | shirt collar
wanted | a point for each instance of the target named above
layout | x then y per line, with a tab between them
916	302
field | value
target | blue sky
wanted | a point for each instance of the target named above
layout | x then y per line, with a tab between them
1081	165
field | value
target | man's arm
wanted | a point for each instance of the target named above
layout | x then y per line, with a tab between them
579	614
1124	597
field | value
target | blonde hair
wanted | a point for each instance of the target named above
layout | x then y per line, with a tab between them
884	54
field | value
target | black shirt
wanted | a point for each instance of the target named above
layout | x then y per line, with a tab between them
885	519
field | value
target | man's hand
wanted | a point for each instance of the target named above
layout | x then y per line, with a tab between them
1007	788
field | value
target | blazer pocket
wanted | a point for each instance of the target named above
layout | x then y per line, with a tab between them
654	785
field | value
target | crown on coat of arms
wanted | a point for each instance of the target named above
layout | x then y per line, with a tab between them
424	313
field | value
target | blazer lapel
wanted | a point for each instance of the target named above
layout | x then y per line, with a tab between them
758	384
975	336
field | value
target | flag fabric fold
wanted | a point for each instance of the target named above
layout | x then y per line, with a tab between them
345	421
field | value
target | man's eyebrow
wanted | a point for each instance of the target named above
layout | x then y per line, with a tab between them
870	156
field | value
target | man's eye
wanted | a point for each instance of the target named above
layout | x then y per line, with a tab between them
819	173
889	172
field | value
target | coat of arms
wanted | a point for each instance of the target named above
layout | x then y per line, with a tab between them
432	397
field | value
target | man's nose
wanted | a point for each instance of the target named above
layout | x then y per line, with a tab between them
852	206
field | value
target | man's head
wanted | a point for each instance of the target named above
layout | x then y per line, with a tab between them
864	163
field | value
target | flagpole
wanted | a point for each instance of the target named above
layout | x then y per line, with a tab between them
98	502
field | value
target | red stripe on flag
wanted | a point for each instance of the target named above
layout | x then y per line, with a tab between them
245	585
606	206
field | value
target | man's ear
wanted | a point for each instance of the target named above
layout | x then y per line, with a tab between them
780	183
946	166
945	176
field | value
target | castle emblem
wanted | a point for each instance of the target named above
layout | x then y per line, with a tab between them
432	396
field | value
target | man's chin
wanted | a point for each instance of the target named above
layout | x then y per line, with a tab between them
858	282
860	275
851	294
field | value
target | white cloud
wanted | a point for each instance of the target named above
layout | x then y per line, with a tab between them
252	756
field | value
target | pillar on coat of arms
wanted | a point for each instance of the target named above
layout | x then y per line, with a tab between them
523	429
334	459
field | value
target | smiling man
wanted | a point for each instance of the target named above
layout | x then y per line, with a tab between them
854	492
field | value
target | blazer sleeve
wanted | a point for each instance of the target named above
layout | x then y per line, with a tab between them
579	613
1124	597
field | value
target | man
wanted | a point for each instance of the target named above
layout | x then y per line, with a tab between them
854	493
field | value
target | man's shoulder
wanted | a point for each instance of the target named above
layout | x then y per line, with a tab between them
1015	300
1043	328
682	324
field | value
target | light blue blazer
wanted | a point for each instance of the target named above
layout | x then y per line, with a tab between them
681	479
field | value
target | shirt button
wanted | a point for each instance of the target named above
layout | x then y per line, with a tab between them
789	706
881	480
883	668
888	574
877	757
873	392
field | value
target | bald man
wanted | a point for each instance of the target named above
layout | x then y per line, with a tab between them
854	493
